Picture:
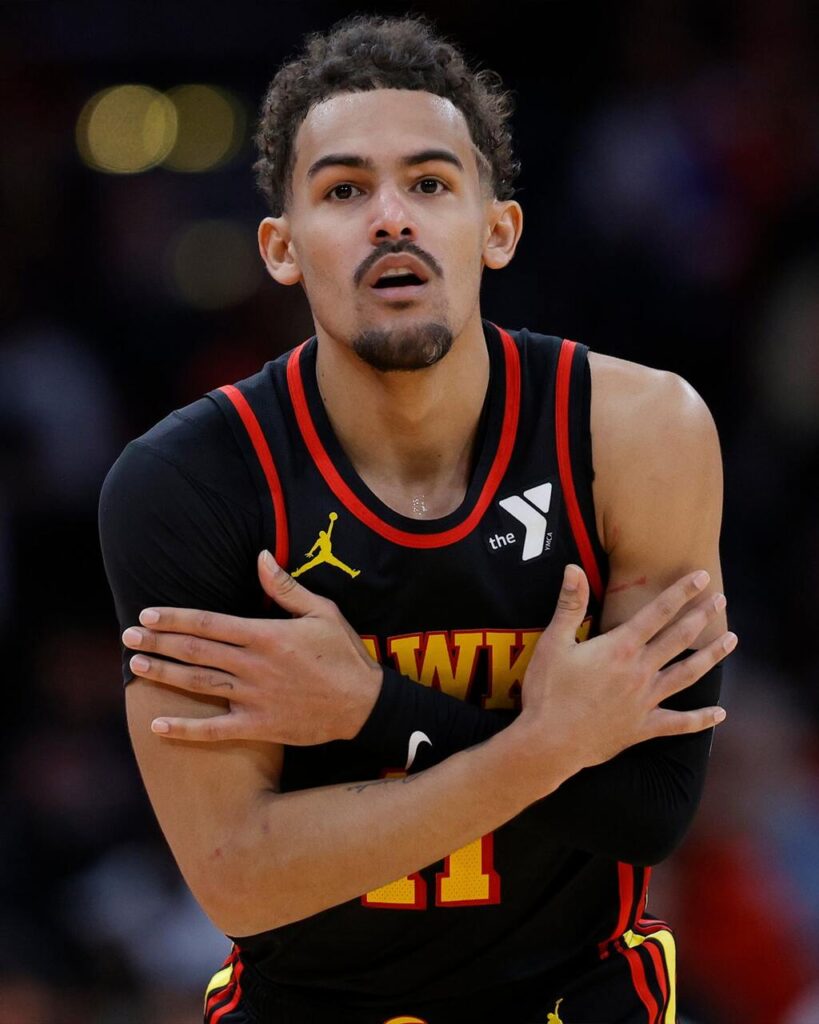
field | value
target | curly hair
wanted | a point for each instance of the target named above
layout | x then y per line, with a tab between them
365	52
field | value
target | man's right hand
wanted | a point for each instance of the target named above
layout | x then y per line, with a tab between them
593	699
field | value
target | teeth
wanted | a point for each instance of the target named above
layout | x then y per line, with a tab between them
397	272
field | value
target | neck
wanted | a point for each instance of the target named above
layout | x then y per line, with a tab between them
409	435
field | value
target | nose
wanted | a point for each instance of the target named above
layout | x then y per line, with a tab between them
392	218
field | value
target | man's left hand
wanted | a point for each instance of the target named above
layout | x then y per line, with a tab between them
298	681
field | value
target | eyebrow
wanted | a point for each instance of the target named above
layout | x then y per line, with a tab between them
365	164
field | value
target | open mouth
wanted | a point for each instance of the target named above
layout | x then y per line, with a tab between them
397	281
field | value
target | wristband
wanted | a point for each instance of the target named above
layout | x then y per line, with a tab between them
404	709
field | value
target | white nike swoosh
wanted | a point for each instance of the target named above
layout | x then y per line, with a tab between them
415	741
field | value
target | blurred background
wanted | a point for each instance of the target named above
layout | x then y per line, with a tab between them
670	187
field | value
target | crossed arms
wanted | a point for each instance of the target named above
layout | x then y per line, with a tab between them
217	802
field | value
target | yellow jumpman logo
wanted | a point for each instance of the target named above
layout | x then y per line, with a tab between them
553	1017
325	552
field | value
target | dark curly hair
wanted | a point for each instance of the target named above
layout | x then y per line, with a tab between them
365	52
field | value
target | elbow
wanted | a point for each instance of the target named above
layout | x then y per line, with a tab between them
233	905
658	838
225	884
650	851
219	889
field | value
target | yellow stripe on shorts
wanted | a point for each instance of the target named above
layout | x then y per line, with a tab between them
219	980
665	940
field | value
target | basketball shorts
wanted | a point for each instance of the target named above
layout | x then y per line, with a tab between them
631	981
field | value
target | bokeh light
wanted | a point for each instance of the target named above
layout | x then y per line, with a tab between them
126	129
213	264
211	123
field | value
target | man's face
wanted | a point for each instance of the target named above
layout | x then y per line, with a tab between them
387	173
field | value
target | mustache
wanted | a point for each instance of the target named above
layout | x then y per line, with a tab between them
394	250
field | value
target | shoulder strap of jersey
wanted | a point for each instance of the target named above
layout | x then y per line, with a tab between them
244	421
573	437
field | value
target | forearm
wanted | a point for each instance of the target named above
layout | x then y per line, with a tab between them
635	808
302	852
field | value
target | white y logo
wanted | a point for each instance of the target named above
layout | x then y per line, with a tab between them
535	523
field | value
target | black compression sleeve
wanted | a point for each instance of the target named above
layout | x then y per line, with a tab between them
635	808
170	539
638	806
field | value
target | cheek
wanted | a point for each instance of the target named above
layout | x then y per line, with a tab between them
467	260
326	268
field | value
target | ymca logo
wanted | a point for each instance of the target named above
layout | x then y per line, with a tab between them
529	510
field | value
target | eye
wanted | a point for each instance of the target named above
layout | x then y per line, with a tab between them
336	188
433	182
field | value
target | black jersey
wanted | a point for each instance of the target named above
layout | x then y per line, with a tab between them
455	603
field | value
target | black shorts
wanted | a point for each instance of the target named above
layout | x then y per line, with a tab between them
631	981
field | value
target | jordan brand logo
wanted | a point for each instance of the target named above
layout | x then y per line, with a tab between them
553	1017
324	546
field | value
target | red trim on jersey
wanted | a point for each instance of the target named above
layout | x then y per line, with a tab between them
346	496
640	980
237	995
265	457
218	996
655	952
648	926
564	462
222	992
625	883
628	913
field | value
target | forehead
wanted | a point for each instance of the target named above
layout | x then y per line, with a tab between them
382	124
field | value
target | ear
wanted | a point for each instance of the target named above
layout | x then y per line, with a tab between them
277	250
502	233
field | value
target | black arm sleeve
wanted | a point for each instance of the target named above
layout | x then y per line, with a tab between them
635	808
170	539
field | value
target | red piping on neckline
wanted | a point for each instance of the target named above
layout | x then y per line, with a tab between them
357	507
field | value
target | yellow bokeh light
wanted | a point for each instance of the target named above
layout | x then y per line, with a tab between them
213	264
126	129
211	124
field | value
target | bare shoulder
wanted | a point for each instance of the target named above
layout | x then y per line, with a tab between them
625	393
652	435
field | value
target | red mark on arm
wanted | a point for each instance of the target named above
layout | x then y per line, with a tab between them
641	582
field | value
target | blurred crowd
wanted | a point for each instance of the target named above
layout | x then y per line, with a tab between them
670	186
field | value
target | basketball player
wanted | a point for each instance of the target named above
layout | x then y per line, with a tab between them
474	848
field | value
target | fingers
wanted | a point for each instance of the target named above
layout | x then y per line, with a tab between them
229	629
686	672
682	634
193	650
679	723
284	590
648	621
571	603
182	677
207	730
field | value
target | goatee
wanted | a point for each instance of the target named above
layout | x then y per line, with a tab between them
408	348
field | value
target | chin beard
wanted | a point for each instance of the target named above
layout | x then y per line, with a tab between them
403	348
